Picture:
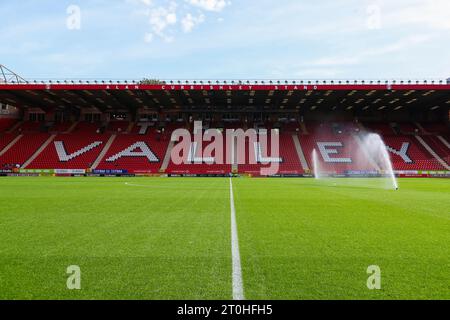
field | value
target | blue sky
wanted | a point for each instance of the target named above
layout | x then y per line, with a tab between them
226	39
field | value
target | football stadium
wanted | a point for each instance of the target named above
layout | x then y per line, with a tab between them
210	158
92	179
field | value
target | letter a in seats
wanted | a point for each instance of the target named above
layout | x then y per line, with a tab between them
131	152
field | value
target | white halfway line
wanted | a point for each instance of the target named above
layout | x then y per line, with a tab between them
238	287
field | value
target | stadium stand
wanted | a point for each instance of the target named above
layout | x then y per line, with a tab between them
118	126
6	124
80	149
438	146
195	163
337	153
135	153
84	127
407	128
408	154
381	128
307	119
289	162
24	148
70	151
61	127
6	139
435	128
30	126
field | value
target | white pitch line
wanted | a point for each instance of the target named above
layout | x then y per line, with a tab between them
238	287
136	185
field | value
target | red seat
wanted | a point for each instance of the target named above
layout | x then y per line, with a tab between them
348	149
290	164
7	123
157	144
5	139
421	159
202	168
24	148
49	159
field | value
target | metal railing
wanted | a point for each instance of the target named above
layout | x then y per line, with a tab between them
85	81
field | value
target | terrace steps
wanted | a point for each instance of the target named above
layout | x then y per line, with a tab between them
434	154
39	151
300	153
421	128
11	144
72	127
303	128
167	157
104	151
15	127
445	142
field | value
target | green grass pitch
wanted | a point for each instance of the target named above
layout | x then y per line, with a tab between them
170	238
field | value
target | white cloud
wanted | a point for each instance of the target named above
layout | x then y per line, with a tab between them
148	37
209	5
163	16
147	2
424	13
189	22
171	18
160	19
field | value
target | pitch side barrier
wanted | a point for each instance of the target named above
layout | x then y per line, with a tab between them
125	173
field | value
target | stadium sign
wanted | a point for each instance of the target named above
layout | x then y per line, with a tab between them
362	173
226	87
238	87
110	172
70	171
37	171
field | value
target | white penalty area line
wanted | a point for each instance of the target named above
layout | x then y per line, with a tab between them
137	185
238	287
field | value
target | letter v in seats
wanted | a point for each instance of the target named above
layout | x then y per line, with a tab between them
64	157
